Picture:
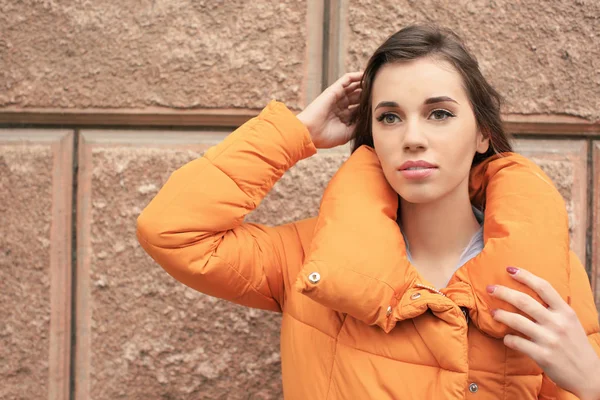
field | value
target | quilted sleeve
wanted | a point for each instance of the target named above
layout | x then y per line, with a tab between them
194	226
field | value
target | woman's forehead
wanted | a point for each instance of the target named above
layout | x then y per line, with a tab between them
417	80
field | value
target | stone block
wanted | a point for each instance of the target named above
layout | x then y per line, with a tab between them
539	57
141	334
35	263
178	54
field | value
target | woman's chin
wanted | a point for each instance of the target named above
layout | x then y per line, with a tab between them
421	196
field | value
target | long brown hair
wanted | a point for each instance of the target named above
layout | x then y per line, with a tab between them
417	41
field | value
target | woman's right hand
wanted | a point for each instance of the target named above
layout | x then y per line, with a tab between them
328	116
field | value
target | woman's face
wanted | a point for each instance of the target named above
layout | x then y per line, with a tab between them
424	129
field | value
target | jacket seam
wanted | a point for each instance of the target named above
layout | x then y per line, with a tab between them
400	361
425	365
504	383
230	267
289	157
167	204
465	344
247	281
304	251
275	249
306	138
366	276
252	128
236	184
249	125
337	337
425	343
508	375
182	189
309	325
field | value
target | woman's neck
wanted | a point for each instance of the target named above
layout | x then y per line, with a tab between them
438	232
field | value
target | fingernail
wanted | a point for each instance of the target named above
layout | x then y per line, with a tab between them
490	289
512	270
493	312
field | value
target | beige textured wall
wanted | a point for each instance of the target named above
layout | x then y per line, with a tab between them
543	57
24	264
35	269
136	54
149	336
138	334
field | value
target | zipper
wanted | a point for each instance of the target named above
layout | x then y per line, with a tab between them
429	288
464	310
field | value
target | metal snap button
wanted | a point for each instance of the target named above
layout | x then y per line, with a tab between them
473	388
415	296
389	311
314	277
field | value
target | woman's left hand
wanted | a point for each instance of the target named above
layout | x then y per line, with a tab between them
557	341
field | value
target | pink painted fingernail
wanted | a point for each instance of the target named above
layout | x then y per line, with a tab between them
490	289
512	270
493	312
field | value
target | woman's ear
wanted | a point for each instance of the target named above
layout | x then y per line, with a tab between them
483	142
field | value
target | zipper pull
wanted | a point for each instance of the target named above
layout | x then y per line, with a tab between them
465	312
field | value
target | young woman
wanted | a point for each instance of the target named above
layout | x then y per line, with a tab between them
400	288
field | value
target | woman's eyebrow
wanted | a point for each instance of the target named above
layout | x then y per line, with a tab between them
440	99
386	104
431	100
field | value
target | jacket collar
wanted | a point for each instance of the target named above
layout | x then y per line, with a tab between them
362	263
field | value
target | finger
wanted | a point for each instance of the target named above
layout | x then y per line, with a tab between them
521	301
339	87
346	80
352	87
354	97
520	324
346	115
350	77
346	101
544	289
353	107
527	347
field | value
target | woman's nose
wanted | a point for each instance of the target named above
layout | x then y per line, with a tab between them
414	138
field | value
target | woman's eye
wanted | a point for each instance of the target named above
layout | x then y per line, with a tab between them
388	118
440	115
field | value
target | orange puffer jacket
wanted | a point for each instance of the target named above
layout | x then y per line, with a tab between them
359	322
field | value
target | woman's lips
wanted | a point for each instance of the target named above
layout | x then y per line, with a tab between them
417	169
417	173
